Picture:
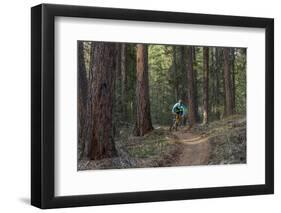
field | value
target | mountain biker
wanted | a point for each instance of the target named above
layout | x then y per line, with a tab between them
179	108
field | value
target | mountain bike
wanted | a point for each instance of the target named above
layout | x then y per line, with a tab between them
176	123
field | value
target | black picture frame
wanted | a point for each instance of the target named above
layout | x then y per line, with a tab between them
43	102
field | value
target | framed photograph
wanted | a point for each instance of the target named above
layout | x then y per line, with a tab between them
139	106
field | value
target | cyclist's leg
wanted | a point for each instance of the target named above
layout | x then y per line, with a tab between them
177	117
177	121
180	118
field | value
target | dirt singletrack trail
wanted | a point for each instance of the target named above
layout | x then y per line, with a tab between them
194	148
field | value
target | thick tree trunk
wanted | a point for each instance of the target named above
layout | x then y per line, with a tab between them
190	88
82	98
117	103
227	84
124	74
206	85
102	89
87	130
143	118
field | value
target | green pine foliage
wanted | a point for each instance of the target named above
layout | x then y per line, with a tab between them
240	80
167	67
160	59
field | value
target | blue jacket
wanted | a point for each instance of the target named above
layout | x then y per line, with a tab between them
179	108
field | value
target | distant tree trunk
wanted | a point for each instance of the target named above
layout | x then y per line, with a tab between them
218	73
212	81
232	53
206	85
102	70
82	98
197	118
143	118
174	67
124	74
190	87
183	77
227	84
194	54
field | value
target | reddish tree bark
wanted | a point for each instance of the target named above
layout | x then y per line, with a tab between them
206	85
143	118
218	73
101	87
124	73
82	98
197	118
190	88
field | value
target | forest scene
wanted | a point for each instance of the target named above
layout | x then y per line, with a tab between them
160	105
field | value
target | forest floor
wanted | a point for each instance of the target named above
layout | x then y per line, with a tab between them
220	142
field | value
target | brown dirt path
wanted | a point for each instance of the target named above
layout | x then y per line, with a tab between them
194	148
